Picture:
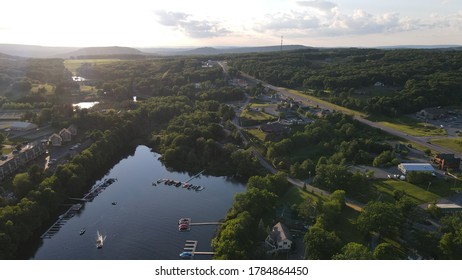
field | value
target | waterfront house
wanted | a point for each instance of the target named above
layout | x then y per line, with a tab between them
279	239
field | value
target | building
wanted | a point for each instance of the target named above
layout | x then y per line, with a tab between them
273	127
447	208
66	135
446	161
72	129
433	113
23	126
419	167
279	239
55	140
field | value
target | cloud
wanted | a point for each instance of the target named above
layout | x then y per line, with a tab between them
324	6
191	27
333	22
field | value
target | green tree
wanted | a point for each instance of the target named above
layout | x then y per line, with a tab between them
321	244
22	184
381	217
386	251
354	251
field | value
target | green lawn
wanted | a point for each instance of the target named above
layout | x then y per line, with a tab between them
451	143
49	88
345	227
416	193
257	115
296	195
409	125
257	133
73	64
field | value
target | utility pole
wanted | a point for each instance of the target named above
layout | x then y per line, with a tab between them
282	39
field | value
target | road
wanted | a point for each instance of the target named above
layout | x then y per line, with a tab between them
356	205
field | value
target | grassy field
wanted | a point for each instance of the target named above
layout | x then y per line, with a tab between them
410	126
73	64
296	195
257	133
327	104
451	143
418	194
257	116
49	88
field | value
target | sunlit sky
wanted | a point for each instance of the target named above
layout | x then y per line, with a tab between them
197	23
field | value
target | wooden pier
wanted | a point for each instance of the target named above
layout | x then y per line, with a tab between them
61	221
187	221
191	246
195	176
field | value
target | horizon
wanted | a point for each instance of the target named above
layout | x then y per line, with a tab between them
183	24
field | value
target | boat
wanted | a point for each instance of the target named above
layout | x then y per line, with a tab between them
200	189
82	231
184	221
99	240
114	203
186	255
183	227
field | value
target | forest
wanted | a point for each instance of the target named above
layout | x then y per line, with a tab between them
408	79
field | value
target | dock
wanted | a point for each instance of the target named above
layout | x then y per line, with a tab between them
195	176
191	246
189	223
94	192
61	221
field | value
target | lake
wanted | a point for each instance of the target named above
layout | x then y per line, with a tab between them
143	223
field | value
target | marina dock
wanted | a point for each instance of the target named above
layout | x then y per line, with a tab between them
61	221
185	224
94	192
191	246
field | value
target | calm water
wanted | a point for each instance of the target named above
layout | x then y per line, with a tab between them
144	222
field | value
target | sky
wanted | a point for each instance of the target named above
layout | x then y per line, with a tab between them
199	23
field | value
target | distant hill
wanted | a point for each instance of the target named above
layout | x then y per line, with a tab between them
102	51
421	47
34	51
216	51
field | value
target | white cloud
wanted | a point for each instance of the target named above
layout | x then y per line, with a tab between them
324	6
191	27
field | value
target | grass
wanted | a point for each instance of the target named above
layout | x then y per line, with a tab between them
258	116
418	194
88	89
49	88
73	64
257	133
451	143
326	103
346	229
409	126
296	195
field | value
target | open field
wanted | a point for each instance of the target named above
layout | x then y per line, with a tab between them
410	126
257	133
73	64
417	194
49	88
451	143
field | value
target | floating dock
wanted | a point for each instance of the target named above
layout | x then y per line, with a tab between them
191	246
61	221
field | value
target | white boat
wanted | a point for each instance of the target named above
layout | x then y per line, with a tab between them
99	240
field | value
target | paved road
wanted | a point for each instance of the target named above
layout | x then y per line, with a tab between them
423	141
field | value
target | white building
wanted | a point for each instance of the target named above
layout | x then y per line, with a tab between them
420	167
279	239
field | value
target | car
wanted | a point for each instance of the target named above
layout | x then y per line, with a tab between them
3	157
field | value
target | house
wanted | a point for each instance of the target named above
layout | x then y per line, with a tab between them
447	208
419	167
433	113
279	239
446	161
65	134
72	129
55	140
273	127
